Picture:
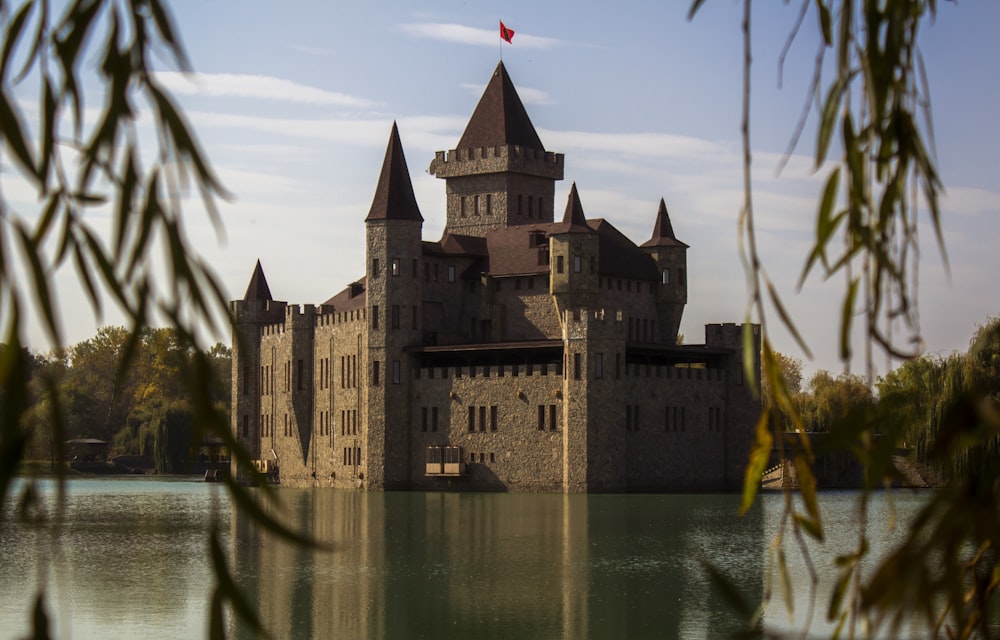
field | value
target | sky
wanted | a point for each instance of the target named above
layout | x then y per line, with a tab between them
293	103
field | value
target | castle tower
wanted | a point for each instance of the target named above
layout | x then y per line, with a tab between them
573	262
394	295
249	315
499	175
574	256
670	255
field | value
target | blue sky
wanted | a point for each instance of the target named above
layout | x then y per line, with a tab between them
294	102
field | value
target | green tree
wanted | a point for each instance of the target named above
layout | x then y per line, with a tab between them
833	400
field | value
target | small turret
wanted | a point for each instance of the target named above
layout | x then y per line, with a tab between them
256	310
575	252
670	255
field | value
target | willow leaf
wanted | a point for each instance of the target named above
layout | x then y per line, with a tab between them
12	36
760	453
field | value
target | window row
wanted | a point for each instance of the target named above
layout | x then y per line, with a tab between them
488	370
396	372
267	426
348	372
642	330
323	375
352	456
397	314
619	284
553	421
482	457
473	205
395	267
481	412
349	422
429	418
577	264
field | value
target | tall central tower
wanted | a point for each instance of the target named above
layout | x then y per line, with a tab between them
500	175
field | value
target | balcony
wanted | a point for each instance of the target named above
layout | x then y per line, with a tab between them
446	461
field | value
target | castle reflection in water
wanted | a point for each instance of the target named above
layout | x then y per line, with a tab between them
449	565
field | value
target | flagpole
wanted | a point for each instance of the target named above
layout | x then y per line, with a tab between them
501	44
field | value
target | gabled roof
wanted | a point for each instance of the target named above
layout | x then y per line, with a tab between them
394	199
619	256
663	231
500	118
258	289
351	298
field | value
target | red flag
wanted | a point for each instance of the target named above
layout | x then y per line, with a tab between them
505	33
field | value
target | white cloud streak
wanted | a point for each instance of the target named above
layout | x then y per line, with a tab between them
254	86
461	34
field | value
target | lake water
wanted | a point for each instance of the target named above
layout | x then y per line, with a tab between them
131	560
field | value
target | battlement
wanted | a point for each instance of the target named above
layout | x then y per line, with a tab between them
498	159
728	335
326	316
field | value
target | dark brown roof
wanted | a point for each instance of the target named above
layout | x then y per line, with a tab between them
573	220
515	251
619	256
663	231
500	118
453	244
351	298
258	289
394	199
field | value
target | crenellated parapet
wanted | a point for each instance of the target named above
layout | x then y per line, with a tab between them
499	159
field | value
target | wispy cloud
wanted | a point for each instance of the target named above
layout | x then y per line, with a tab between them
641	144
968	201
462	34
253	86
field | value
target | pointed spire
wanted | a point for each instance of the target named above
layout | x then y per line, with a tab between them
500	118
574	209
663	231
573	219
394	199
258	289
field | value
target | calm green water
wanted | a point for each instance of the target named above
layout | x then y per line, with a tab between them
131	561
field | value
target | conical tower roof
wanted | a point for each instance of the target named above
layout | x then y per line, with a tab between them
574	219
258	289
394	199
663	231
500	118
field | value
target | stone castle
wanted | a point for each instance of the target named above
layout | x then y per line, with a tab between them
516	353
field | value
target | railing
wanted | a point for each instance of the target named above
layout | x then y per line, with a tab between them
445	461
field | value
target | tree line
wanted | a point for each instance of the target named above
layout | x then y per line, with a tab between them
917	404
127	392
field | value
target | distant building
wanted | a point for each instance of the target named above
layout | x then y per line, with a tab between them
516	353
